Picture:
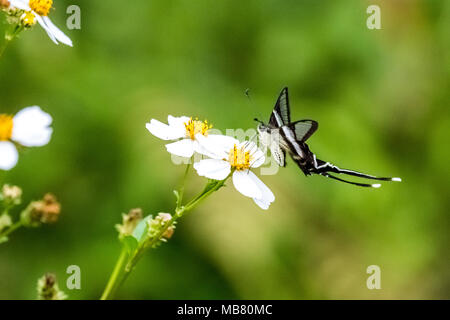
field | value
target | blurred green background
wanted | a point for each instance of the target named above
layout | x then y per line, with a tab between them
381	98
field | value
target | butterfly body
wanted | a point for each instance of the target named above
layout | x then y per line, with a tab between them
282	136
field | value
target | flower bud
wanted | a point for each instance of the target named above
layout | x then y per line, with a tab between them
4	4
11	195
129	222
12	14
157	225
5	221
45	211
48	289
169	232
28	19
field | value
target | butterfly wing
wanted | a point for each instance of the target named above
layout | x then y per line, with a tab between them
281	114
278	154
271	140
303	129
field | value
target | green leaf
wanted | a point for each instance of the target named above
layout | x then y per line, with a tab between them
3	240
211	184
142	228
130	243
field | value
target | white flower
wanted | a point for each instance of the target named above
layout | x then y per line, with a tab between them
230	155
38	10
29	128
183	128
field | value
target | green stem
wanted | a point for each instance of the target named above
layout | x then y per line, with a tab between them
181	191
3	47
9	36
11	229
111	287
197	200
134	259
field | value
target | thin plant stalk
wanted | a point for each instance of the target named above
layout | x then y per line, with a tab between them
11	229
111	285
122	270
10	36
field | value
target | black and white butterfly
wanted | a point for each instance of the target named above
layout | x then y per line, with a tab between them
281	136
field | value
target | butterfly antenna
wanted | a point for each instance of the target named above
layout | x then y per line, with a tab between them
367	185
247	94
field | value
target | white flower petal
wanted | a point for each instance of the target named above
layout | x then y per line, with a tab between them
177	121
258	159
267	196
163	131
31	127
257	156
8	155
20	4
215	145
178	124
249	146
244	183
46	28
182	148
213	168
262	204
58	34
224	142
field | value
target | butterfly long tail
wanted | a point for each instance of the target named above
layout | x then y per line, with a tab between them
368	185
326	167
363	175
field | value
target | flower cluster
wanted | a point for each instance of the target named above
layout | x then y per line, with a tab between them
161	224
48	289
129	222
226	156
26	13
36	213
44	211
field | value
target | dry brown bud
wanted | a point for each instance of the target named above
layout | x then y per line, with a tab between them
46	210
4	4
48	288
169	232
129	222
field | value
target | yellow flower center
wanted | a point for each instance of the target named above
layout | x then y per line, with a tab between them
195	126
41	7
239	158
6	126
28	19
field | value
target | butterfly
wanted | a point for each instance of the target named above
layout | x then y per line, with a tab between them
282	136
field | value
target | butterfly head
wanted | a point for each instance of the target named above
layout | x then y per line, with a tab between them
262	127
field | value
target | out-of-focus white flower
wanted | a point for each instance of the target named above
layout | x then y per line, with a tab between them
185	130
29	128
228	155
38	10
